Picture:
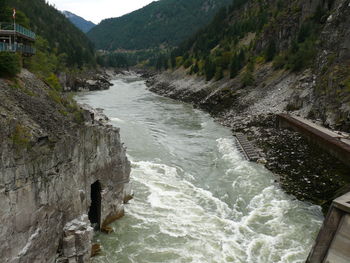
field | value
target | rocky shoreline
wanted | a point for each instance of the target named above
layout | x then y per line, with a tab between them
86	81
301	168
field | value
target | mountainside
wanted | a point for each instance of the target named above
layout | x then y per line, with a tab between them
62	36
161	23
255	40
78	21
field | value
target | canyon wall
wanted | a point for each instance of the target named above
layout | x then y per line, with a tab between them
52	152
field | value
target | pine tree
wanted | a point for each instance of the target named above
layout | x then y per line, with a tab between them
209	69
270	51
234	66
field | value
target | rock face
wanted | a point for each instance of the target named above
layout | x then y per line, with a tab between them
52	157
86	81
76	243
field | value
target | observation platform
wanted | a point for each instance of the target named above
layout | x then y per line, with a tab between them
8	29
333	241
16	38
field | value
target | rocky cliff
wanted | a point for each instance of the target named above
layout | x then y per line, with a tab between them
60	166
85	80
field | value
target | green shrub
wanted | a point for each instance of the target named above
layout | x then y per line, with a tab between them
346	83
21	136
219	74
247	78
55	96
78	117
209	69
303	56
179	61
270	51
10	64
187	63
53	82
279	62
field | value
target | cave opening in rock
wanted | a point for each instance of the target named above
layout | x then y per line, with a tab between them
95	208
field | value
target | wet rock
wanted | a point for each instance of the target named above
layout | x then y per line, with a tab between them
85	81
77	238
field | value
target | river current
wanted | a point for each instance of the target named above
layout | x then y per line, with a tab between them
196	198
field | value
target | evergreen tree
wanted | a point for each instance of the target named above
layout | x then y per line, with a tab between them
4	11
209	69
241	58
234	66
219	74
9	64
195	68
270	51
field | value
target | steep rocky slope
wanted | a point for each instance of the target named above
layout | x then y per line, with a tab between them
255	40
53	153
319	91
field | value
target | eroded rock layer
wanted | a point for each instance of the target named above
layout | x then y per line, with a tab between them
52	152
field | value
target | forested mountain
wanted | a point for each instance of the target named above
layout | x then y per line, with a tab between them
62	37
78	21
253	42
161	23
250	32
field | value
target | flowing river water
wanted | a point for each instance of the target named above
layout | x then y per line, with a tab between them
196	198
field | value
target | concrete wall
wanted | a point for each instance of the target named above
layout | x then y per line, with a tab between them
331	144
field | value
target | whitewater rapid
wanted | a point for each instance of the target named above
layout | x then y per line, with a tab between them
196	198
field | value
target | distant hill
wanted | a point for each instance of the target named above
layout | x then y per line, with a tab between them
78	21
161	23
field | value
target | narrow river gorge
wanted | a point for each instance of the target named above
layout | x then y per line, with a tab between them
196	199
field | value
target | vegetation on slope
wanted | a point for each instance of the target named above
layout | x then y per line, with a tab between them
246	33
60	47
63	38
159	24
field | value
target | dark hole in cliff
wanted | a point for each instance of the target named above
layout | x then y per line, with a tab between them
95	208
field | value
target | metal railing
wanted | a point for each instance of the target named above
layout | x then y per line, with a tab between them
17	48
19	29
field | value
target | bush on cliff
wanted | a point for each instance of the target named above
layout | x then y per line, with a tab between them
53	82
9	64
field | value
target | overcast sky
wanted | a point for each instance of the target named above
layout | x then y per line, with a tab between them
96	10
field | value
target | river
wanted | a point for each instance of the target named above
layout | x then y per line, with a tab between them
196	198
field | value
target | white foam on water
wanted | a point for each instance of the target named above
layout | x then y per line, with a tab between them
211	231
117	119
217	208
182	222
